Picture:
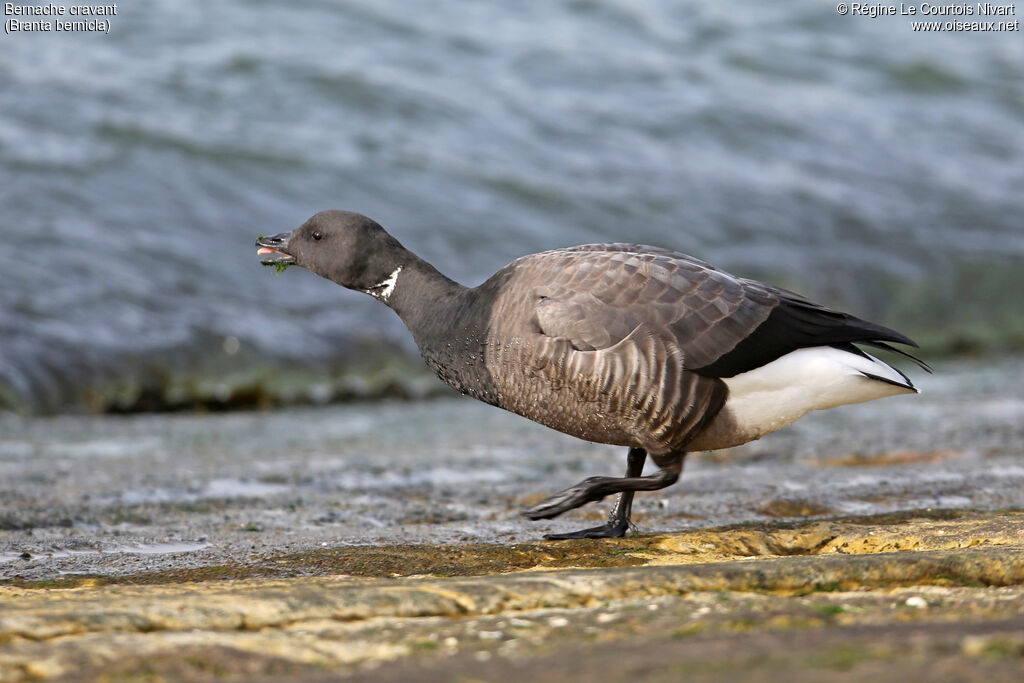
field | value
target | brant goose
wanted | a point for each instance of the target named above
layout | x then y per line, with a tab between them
613	343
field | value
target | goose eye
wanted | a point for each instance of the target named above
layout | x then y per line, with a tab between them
317	236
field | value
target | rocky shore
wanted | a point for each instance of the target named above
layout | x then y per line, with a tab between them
884	596
382	542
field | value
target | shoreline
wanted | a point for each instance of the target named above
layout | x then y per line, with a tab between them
125	495
845	595
382	542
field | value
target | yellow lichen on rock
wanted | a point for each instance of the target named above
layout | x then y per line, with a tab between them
965	568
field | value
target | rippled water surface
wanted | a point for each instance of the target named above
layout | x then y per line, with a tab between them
849	158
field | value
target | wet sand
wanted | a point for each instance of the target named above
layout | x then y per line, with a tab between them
132	514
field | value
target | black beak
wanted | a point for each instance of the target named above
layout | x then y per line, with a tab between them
276	249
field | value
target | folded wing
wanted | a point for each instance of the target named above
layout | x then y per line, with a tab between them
596	295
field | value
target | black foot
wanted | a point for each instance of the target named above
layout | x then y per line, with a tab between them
596	488
584	492
607	530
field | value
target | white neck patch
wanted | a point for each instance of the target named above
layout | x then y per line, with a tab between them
384	289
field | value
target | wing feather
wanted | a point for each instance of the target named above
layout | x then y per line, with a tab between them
595	295
705	309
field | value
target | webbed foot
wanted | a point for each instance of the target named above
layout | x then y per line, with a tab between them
588	490
596	488
610	529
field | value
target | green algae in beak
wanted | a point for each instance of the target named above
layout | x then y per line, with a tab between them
272	248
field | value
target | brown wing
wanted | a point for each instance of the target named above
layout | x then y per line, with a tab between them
595	295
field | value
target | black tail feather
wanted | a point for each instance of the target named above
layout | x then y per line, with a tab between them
886	347
797	323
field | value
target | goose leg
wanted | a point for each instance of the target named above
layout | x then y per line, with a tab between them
618	521
596	488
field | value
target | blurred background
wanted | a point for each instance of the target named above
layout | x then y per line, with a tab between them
872	168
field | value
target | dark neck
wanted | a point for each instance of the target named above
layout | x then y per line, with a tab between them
423	298
449	323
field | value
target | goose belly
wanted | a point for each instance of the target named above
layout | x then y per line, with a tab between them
777	394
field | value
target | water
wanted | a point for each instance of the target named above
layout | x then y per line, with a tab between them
867	166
